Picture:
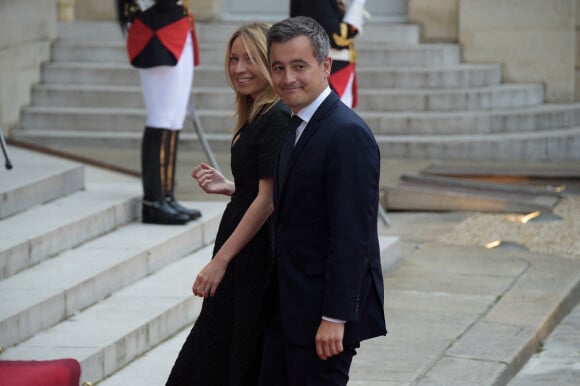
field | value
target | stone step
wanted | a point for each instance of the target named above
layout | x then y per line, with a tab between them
46	179
43	231
406	88
78	95
115	52
110	334
83	276
545	145
557	361
90	30
416	55
152	368
188	140
425	78
525	119
135	319
106	120
109	120
503	96
220	31
420	55
452	76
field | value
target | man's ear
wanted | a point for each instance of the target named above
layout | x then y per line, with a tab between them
327	66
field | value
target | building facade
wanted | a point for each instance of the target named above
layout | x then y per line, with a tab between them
533	40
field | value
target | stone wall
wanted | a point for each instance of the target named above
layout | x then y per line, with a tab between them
577	82
94	9
438	19
204	10
26	30
534	40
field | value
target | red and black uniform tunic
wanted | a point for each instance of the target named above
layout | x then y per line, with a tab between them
161	44
156	36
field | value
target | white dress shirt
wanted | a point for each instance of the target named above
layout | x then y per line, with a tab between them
307	112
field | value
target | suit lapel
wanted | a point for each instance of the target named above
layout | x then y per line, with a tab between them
290	153
285	152
312	127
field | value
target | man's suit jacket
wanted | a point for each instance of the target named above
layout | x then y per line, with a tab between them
326	203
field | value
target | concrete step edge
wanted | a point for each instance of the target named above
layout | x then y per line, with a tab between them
219	68
218	31
501	97
537	117
541	146
45	179
43	231
542	108
224	89
419	139
79	278
212	54
153	367
547	290
361	46
497	137
129	322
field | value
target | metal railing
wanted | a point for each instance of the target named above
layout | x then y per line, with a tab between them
7	163
200	134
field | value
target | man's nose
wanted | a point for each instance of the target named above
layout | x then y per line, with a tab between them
289	76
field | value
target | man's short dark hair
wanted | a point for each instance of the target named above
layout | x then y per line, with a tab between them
290	28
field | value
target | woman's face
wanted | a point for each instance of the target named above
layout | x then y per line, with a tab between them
244	72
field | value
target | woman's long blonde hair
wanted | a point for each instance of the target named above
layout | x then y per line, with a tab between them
253	37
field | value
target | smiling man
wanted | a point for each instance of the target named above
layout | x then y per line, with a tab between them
326	192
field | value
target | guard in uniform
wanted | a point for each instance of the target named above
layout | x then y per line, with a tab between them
341	25
161	44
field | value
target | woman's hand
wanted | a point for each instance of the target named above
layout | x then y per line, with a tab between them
258	212
209	278
212	181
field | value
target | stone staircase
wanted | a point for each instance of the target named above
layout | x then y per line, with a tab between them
419	99
81	277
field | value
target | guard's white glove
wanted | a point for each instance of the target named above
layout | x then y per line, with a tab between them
355	15
144	5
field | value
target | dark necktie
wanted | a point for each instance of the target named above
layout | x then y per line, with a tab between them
287	146
295	122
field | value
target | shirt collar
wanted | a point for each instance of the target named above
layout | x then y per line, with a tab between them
307	112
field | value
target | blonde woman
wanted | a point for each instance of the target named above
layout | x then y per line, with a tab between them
224	346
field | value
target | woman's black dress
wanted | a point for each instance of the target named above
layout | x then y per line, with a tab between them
224	346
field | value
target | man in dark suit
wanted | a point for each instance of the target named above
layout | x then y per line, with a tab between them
326	191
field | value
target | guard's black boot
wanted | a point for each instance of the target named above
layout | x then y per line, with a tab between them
171	153
156	208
